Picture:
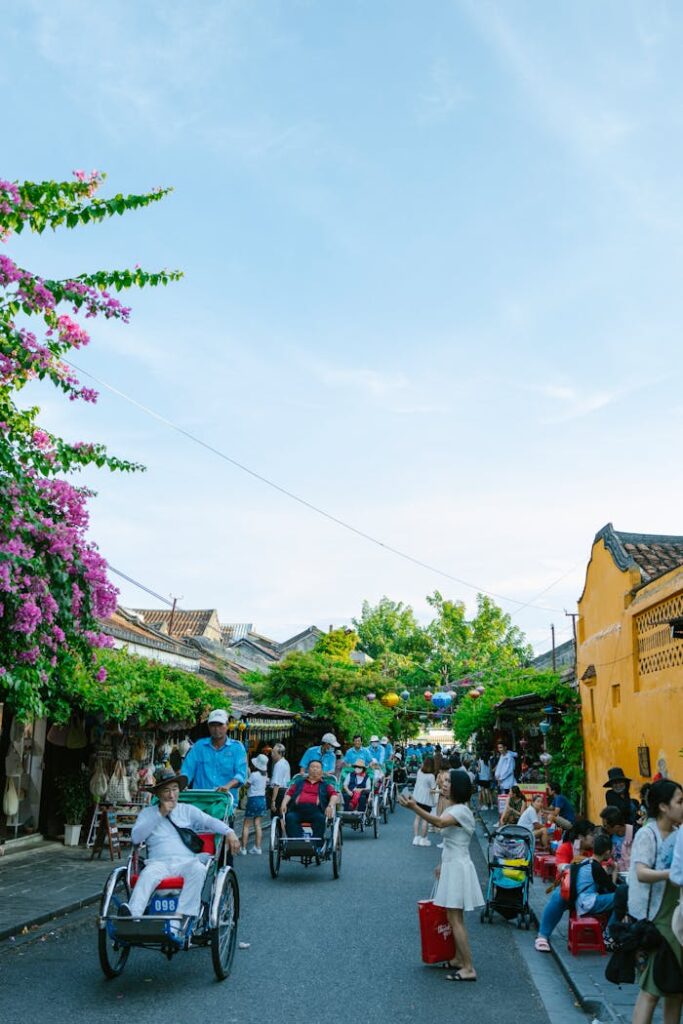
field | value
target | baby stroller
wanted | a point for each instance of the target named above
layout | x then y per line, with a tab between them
510	866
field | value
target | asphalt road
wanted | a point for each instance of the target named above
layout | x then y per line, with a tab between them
320	949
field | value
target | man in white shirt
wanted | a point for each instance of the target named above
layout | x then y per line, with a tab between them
505	768
167	855
280	778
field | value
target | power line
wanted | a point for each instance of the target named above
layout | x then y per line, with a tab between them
307	504
140	586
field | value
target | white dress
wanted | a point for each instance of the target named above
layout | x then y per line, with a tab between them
458	886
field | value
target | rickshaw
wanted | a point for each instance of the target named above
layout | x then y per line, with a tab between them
368	817
388	792
307	849
216	925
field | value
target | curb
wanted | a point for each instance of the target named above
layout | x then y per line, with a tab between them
33	922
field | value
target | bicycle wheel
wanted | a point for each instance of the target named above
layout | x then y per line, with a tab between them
113	956
275	853
337	854
224	934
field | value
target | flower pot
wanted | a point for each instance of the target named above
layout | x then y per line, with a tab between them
72	835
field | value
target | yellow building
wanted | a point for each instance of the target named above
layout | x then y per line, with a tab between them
629	666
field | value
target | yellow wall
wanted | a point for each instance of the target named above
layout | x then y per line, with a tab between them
637	697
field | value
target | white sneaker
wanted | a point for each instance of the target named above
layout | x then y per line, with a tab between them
243	852
417	841
439	846
256	850
425	842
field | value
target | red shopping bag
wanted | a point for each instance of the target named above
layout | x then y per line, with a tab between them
436	934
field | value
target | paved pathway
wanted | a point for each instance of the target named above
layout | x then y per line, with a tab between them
346	949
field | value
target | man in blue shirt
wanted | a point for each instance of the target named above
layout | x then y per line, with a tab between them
388	748
562	811
376	750
216	762
356	751
324	753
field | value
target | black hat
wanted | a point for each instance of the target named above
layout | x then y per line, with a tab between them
615	775
164	777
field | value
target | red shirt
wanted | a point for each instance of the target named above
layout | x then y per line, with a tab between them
564	853
309	793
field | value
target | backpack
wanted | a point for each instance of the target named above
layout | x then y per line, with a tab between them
323	796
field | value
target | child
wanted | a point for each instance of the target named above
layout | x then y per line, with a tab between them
256	804
592	889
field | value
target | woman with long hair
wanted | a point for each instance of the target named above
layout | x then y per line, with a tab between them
651	894
458	888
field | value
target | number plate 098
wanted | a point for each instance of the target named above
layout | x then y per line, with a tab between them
164	904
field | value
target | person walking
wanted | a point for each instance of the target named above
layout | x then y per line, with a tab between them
652	893
256	804
458	888
484	780
505	768
280	778
423	795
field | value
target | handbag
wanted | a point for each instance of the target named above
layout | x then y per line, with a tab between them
118	791
10	801
99	783
189	837
436	934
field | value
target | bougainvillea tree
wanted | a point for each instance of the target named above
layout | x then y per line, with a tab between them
53	582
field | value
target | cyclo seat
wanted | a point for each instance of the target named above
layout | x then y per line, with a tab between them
176	881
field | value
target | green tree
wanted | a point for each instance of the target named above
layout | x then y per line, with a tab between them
390	627
338	643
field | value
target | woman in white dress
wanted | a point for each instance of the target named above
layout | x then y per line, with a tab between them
458	886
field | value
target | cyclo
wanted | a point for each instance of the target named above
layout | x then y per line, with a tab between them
365	814
307	849
216	925
387	791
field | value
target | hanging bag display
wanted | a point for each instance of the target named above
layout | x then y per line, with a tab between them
99	782
10	801
118	791
436	934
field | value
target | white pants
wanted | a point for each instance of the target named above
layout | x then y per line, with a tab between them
193	872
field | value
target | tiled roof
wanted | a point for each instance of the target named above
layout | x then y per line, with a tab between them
652	553
122	625
185	623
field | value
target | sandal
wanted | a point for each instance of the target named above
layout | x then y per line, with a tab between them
459	977
542	945
448	966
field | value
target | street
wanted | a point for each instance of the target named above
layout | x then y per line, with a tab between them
318	948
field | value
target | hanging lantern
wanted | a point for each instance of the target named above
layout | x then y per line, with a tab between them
390	700
242	726
405	694
544	726
523	743
370	697
441	701
428	695
549	710
545	757
474	694
480	689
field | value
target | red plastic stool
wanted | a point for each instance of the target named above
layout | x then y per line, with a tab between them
539	860
585	935
549	869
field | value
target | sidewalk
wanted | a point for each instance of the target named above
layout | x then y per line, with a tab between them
585	973
49	880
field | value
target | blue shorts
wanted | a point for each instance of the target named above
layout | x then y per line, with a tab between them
256	807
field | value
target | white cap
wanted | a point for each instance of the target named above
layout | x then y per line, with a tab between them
374	739
385	739
219	715
260	762
330	738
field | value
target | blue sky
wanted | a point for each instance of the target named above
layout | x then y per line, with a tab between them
432	259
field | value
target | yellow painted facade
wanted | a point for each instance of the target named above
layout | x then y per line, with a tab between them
630	671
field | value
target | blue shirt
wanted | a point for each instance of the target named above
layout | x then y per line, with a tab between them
352	755
208	767
565	808
376	752
388	751
315	754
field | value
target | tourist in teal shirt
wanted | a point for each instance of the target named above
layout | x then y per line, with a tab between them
356	751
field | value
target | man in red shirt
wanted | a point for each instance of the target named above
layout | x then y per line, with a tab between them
311	801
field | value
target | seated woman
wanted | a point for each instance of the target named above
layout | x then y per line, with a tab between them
620	834
592	888
516	803
310	800
532	819
356	787
581	836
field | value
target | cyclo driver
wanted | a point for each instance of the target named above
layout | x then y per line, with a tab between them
309	800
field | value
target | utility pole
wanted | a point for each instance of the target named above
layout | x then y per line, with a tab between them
573	616
552	631
170	621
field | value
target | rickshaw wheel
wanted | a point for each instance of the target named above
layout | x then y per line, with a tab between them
392	799
337	855
385	813
224	935
275	853
375	828
113	959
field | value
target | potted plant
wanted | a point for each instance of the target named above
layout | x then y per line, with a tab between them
74	800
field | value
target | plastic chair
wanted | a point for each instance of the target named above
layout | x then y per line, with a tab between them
539	858
549	869
585	935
